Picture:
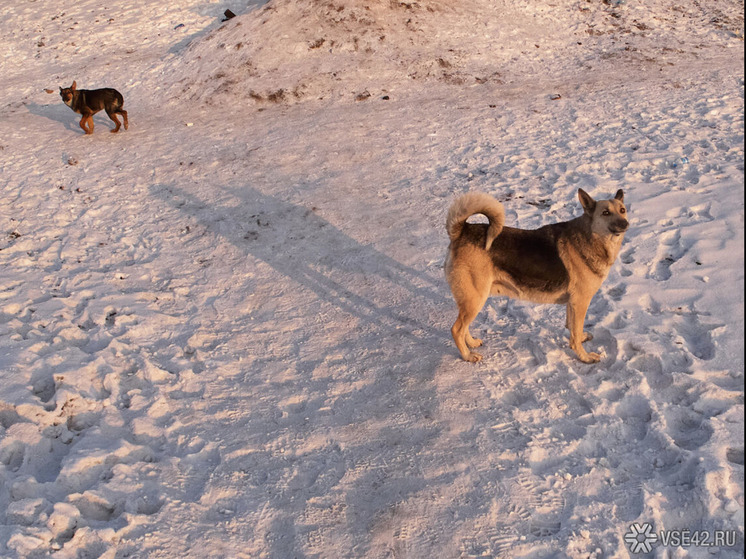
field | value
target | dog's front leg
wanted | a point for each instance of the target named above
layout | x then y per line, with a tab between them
87	118
587	336
576	309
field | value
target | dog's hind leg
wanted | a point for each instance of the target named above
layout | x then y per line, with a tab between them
460	333
124	117
113	116
470	302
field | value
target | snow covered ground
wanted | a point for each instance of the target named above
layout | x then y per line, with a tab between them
224	332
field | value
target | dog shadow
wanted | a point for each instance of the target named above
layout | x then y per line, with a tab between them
61	113
299	244
393	343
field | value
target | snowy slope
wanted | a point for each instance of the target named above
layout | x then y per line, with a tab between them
316	49
224	332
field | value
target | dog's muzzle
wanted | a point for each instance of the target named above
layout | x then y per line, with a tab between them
619	227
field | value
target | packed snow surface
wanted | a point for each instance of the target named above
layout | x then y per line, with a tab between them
225	332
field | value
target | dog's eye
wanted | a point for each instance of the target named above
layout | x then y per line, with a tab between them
622	211
606	212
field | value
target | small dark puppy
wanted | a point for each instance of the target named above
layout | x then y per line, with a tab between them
88	102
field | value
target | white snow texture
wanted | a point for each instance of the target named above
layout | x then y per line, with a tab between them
225	331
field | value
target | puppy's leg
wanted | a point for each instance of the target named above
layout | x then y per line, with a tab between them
587	336
86	123
470	299
576	309
113	116
124	117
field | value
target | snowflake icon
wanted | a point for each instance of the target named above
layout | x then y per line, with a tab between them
640	538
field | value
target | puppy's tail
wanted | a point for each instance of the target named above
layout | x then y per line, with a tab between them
475	203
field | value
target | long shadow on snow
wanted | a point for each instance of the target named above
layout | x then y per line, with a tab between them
392	302
300	245
61	113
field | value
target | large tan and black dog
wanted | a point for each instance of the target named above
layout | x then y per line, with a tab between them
88	102
563	263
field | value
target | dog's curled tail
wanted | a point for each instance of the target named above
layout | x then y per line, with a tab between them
475	203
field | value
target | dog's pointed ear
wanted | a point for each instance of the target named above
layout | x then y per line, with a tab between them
588	203
619	195
74	85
